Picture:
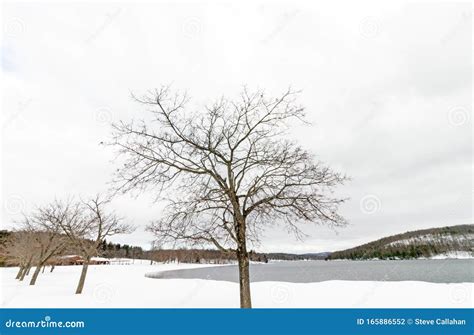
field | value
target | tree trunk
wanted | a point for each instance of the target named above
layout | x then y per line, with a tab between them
26	270
35	275
23	274
44	267
244	279
52	268
80	286
20	271
243	260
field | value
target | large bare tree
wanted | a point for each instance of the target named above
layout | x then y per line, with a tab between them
227	170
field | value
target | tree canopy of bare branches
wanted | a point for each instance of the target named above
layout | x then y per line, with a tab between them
87	224
42	228
19	250
227	171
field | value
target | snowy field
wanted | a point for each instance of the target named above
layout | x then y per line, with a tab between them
125	285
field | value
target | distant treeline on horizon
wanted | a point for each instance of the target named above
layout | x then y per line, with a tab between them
183	255
117	250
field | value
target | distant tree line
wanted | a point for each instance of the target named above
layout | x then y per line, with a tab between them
214	256
297	257
12	256
415	244
200	256
116	250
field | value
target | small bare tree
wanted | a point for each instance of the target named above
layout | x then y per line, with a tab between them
19	251
43	225
228	171
88	225
46	244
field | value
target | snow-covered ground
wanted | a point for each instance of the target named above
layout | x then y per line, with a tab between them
435	239
454	255
125	285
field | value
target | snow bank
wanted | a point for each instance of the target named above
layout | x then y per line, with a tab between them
127	286
454	255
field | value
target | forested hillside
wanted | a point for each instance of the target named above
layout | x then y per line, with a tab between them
415	244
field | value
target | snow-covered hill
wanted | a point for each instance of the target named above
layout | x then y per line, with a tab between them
445	242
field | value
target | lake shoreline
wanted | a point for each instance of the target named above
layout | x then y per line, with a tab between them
427	270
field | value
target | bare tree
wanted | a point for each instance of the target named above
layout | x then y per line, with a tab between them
43	226
46	244
19	251
87	226
228	171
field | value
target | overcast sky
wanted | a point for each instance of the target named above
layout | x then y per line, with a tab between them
388	89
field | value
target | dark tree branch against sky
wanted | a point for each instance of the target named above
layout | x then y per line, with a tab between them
227	170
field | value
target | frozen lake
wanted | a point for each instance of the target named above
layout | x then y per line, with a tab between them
434	271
